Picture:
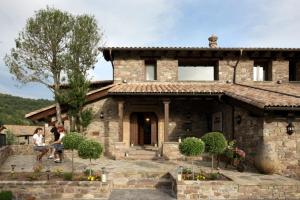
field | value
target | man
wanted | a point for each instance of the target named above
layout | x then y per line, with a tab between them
56	135
58	145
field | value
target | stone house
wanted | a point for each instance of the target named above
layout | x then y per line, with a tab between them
161	94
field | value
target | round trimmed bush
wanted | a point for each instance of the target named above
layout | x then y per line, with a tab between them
191	146
72	140
89	149
215	142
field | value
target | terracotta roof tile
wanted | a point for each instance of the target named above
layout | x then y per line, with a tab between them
281	95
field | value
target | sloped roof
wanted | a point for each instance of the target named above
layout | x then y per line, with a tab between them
261	96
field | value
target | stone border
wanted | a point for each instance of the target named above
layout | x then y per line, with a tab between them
231	190
57	189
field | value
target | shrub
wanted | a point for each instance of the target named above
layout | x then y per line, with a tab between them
10	138
86	172
191	146
68	176
215	143
6	195
72	141
90	149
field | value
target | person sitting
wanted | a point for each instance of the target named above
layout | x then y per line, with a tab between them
38	143
58	146
55	133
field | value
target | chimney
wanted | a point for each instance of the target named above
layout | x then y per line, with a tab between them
213	41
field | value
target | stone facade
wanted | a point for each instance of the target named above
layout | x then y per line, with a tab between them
24	190
285	147
130	70
280	69
167	70
105	129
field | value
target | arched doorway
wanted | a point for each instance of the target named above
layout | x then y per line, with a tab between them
143	128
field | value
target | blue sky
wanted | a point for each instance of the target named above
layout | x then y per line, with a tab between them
237	23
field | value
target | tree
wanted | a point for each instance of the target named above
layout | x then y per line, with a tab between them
40	51
191	146
52	44
81	58
90	149
215	143
72	141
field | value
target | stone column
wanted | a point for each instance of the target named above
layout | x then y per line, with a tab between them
121	117
166	115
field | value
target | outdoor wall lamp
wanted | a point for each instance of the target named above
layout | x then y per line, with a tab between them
238	119
290	129
101	115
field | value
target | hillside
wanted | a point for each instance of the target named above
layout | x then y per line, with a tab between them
13	109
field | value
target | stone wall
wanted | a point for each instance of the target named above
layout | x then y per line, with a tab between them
244	71
249	133
226	69
285	147
24	190
171	151
233	191
130	70
4	153
167	70
280	71
104	130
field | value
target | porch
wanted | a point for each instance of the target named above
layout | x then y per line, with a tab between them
157	123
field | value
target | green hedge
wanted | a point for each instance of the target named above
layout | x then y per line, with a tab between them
191	146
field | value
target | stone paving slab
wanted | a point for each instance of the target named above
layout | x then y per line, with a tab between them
141	195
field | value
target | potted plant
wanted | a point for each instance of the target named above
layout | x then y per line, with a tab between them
215	144
72	141
90	149
191	147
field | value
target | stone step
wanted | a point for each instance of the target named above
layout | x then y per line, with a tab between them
145	183
141	194
142	152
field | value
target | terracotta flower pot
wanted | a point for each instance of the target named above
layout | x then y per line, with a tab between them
266	159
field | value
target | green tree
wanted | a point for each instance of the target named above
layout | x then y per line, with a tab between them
90	149
40	51
215	143
72	141
82	57
191	146
52	44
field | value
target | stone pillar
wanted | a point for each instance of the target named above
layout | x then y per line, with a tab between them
166	116
121	117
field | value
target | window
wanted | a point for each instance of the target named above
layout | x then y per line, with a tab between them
262	71
294	71
150	70
195	70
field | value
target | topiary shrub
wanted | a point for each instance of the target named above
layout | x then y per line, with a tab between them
72	141
215	143
191	146
89	149
6	195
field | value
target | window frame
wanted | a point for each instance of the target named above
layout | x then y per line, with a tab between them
268	73
148	63
200	63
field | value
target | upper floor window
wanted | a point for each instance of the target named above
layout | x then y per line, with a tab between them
262	71
197	70
294	70
151	72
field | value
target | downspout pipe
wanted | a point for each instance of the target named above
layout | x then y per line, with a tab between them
111	61
236	65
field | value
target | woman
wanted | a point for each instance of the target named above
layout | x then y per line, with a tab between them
38	143
58	145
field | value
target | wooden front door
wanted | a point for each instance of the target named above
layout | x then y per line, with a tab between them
143	128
